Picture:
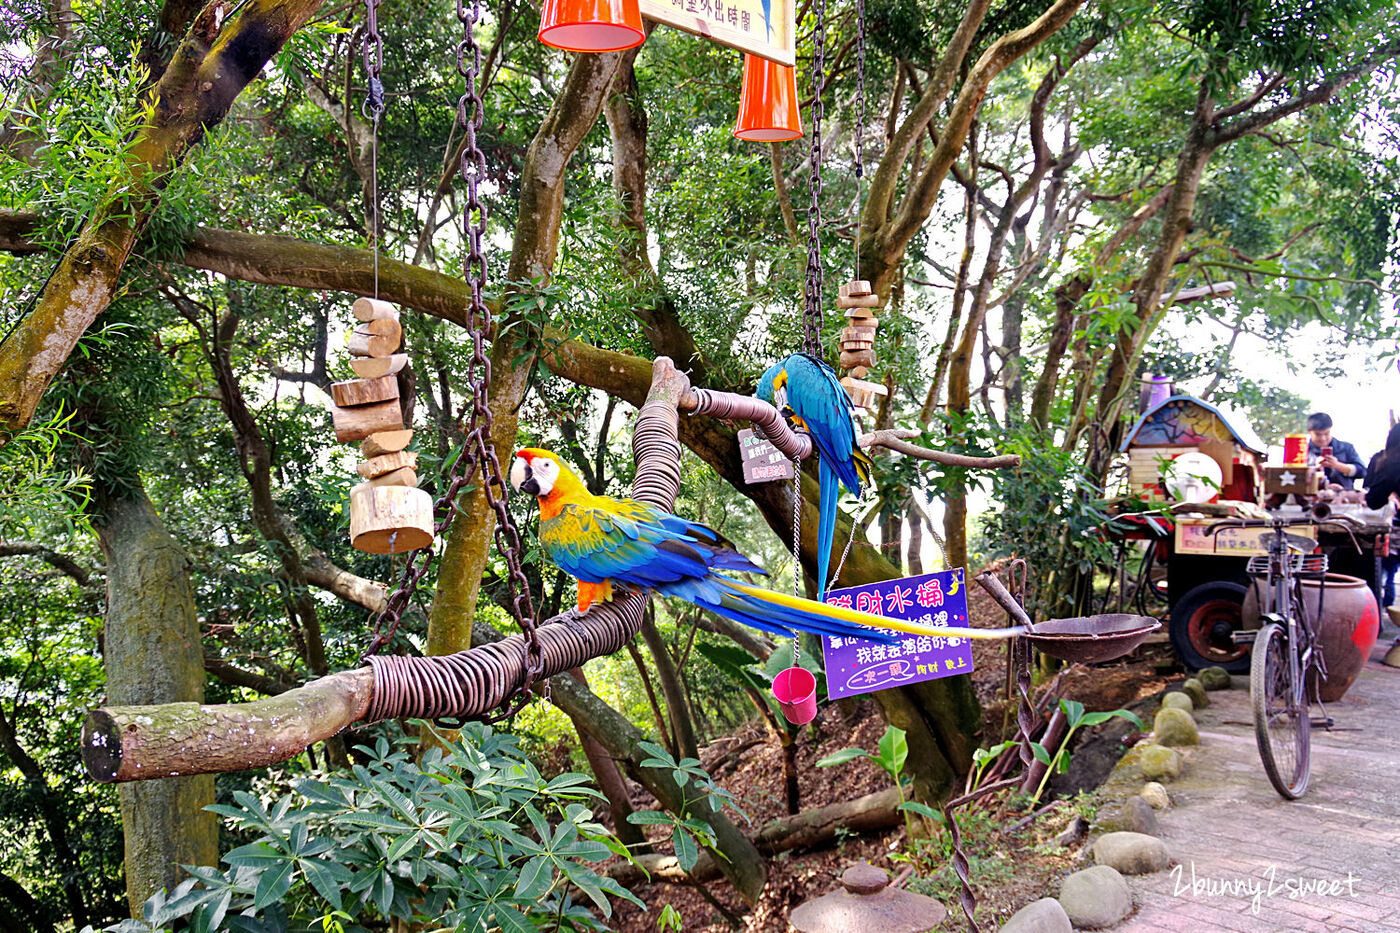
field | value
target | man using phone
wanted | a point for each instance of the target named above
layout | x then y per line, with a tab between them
1339	460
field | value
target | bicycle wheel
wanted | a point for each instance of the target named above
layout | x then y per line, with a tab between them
1281	725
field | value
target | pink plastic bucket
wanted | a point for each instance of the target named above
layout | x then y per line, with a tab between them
795	689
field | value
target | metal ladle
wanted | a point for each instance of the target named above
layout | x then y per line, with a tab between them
1083	639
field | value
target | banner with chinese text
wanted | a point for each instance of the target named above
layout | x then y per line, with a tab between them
854	665
762	27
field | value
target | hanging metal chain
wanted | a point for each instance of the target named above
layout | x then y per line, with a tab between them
478	456
373	110
858	153
812	317
796	549
471	112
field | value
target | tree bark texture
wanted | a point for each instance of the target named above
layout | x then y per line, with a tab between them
216	61
153	656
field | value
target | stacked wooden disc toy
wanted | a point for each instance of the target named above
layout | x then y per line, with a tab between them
860	302
389	514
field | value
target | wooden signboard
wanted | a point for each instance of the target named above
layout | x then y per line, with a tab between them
1295	480
761	27
762	462
1191	538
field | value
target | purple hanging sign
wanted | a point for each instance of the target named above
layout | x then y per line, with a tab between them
855	665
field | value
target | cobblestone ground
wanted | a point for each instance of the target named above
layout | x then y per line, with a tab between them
1251	862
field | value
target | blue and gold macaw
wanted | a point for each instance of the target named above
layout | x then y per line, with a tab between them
606	543
812	399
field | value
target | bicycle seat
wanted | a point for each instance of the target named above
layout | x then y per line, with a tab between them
1300	544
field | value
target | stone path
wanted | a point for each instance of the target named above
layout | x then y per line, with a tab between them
1251	862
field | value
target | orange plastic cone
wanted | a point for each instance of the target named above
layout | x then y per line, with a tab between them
591	25
768	104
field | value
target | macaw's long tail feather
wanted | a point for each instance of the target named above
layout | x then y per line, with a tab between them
864	467
785	622
834	615
826	524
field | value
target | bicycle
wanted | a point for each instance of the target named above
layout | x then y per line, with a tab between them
1286	663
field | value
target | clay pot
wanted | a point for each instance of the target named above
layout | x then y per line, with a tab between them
1348	629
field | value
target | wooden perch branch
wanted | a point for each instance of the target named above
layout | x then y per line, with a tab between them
134	743
727	405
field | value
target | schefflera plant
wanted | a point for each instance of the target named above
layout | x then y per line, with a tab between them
468	836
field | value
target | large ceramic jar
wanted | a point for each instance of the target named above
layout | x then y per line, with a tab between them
1347	630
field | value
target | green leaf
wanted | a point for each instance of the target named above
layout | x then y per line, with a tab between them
511	920
650	818
922	809
255	854
382	892
1073	710
535	879
843	756
323	879
1041	755
273	885
894	751
687	854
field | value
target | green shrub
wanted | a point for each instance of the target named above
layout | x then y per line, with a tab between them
469	837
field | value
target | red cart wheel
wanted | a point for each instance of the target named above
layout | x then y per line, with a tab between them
1203	623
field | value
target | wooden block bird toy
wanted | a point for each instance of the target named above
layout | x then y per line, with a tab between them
608	543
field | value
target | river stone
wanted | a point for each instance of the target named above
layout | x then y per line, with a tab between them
1096	897
1132	853
1042	916
1131	814
1196	692
1158	762
1174	727
1155	794
1214	678
1178	701
1141	817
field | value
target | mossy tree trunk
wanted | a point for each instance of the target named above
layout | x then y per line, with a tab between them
153	655
227	45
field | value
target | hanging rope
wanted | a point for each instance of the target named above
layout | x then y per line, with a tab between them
812	317
478	456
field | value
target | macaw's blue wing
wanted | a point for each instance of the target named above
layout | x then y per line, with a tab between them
816	397
633	543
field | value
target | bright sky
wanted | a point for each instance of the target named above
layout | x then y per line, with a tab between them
1360	406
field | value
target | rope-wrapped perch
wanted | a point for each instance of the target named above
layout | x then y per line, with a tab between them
133	743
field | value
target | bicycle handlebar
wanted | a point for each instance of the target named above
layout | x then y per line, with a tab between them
1347	522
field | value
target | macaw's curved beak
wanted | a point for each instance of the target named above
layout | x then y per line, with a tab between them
522	477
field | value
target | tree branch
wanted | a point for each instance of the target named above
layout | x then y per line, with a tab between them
1222	134
213	65
63	562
